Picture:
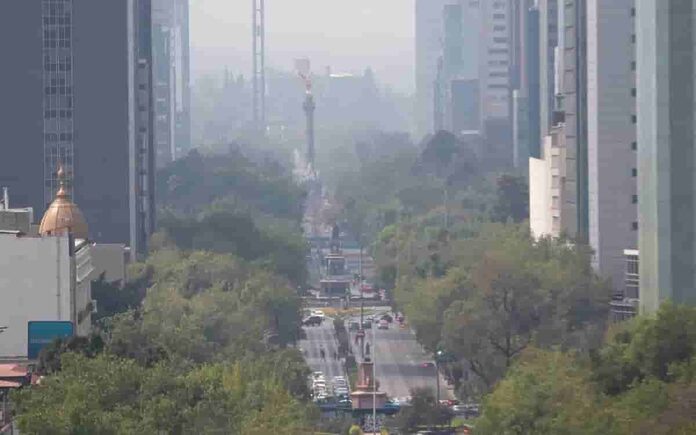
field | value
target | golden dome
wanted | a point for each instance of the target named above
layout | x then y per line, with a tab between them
63	216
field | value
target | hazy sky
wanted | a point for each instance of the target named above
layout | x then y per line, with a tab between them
348	35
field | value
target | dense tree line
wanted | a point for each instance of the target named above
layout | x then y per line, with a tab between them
642	380
232	203
198	339
205	351
488	298
519	323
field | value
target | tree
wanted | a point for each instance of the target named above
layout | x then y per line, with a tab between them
546	392
424	411
51	356
112	298
503	291
662	346
512	199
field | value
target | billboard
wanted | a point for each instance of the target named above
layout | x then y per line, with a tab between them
42	333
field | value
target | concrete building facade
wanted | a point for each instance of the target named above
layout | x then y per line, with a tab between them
552	188
429	28
666	151
611	131
43	279
78	93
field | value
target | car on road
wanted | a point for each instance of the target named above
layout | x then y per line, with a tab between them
312	321
427	364
354	326
383	324
317	375
367	324
318	313
387	317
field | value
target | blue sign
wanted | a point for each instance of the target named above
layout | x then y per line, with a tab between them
44	333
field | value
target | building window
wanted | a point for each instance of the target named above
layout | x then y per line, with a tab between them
633	65
633	38
634	119
634	92
634	226
633	12
634	172
634	199
634	146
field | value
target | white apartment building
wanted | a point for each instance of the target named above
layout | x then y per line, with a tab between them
552	196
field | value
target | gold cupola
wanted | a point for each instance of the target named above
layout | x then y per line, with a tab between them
63	216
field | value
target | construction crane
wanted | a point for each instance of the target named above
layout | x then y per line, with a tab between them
259	66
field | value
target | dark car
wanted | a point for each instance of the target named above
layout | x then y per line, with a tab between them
367	324
312	321
387	317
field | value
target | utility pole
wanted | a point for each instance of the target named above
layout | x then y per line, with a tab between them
259	66
374	381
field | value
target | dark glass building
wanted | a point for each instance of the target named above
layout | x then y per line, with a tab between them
78	93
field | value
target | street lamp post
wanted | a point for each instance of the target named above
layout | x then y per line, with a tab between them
438	356
362	302
374	381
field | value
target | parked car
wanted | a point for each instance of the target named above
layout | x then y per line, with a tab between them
354	326
387	317
383	324
367	324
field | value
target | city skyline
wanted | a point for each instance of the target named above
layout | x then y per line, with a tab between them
350	37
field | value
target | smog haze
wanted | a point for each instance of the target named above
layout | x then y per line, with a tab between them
348	36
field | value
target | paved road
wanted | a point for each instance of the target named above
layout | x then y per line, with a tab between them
399	360
318	337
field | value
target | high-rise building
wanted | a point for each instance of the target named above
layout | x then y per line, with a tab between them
171	82
532	87
566	103
78	93
495	82
458	81
574	104
611	132
666	102
519	60
548	41
429	31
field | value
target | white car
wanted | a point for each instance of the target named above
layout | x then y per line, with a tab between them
317	375
318	313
